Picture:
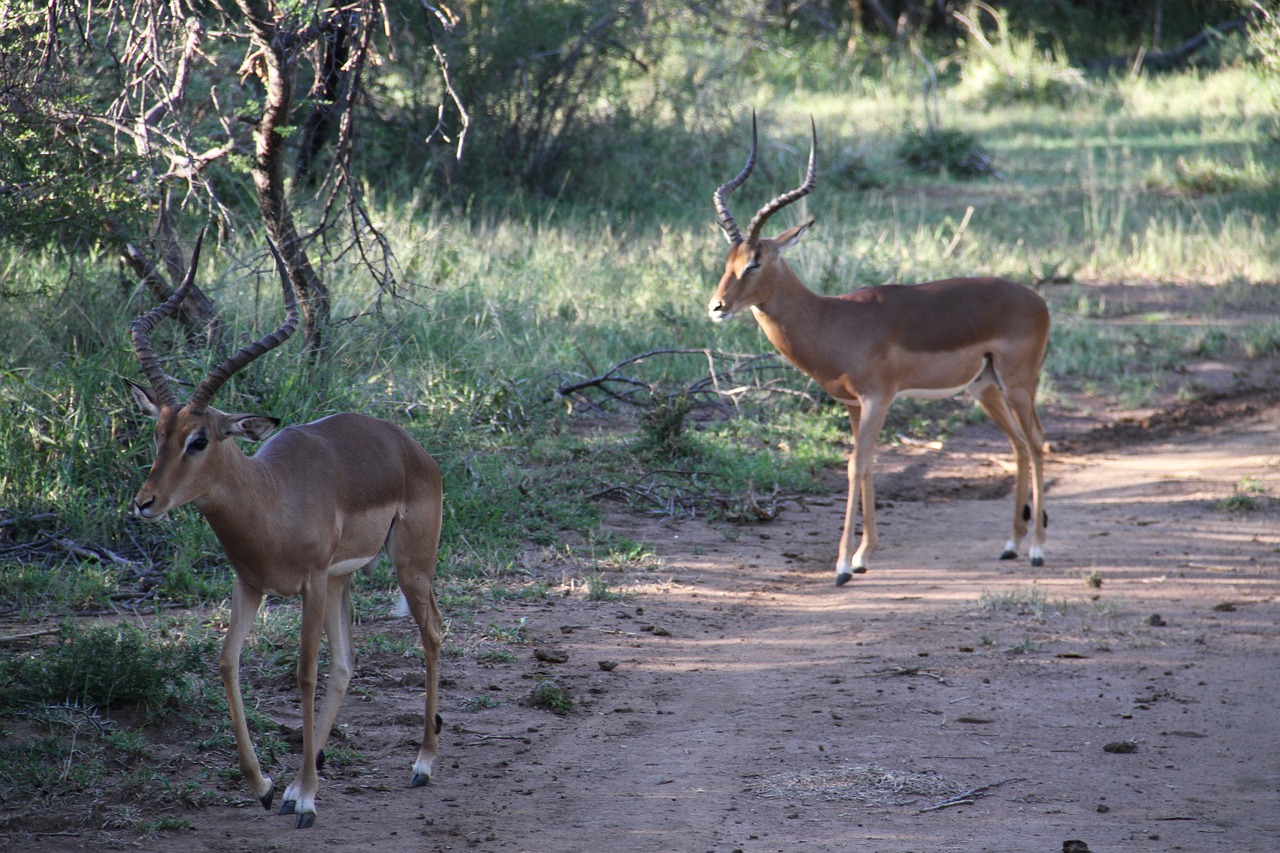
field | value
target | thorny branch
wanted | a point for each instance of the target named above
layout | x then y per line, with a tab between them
741	376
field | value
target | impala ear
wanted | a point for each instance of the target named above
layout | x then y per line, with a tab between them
146	399
252	427
791	236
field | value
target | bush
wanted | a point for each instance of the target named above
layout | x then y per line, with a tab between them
108	666
1013	70
944	151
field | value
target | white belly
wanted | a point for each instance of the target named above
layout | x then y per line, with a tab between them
932	393
346	567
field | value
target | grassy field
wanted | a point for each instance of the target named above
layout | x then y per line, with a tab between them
1165	181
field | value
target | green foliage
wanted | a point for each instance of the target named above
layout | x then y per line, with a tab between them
106	666
1008	69
662	425
543	79
54	181
599	589
1248	496
946	151
1203	175
550	696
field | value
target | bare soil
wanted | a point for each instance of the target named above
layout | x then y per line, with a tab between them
734	699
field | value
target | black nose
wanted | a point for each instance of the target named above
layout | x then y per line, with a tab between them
140	507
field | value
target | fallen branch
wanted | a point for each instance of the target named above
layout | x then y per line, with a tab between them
30	635
618	384
966	798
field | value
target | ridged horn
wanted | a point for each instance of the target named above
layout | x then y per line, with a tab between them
731	232
247	354
140	329
810	181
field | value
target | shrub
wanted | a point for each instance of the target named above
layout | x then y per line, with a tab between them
944	151
1009	69
105	666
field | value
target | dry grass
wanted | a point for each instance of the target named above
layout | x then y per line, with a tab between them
867	785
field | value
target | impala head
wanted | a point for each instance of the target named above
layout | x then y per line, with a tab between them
192	438
753	264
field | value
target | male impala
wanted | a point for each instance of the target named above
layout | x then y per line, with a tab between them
316	503
867	348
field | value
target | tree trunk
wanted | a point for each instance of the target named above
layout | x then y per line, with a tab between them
274	66
198	315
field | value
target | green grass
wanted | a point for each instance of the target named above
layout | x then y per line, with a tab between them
1248	496
1022	601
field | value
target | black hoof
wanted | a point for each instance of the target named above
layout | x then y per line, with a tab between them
287	807
306	820
1037	561
266	798
1009	555
420	779
843	578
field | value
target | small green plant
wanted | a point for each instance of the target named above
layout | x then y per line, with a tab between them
1026	647
1023	601
598	588
341	756
1246	498
481	703
495	656
1093	579
1107	606
404	644
509	634
550	696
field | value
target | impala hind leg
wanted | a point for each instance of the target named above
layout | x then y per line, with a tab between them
413	547
867	420
245	602
1023	402
1028	456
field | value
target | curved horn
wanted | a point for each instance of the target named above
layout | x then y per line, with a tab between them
731	232
220	374
140	329
810	181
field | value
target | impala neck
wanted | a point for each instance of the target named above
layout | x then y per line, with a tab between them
791	316
240	524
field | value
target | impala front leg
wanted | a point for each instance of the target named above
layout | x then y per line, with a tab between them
867	420
300	796
244	607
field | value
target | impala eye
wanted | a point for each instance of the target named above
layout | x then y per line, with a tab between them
197	443
752	264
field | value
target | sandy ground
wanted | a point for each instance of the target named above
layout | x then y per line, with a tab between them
735	700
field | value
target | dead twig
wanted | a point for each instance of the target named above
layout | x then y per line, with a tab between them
966	798
743	371
30	635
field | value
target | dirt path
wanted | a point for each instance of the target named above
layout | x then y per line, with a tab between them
945	701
